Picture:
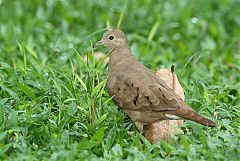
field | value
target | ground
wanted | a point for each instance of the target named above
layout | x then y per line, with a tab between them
54	106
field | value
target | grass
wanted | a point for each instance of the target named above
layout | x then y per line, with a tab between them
54	106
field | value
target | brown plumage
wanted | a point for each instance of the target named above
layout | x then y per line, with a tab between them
138	91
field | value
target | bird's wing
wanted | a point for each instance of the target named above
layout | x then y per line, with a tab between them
151	95
134	93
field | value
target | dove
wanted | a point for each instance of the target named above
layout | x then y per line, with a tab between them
138	91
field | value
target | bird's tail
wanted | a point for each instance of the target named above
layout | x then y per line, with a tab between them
187	113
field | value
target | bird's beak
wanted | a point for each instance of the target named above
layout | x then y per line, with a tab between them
101	42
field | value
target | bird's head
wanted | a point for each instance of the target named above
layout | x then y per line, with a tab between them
112	39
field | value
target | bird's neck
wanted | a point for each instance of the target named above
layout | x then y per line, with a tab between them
120	55
121	59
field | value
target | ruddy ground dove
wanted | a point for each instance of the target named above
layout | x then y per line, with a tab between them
144	96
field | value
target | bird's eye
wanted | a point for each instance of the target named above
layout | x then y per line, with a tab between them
111	37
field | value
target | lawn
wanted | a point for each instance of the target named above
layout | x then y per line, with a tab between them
54	105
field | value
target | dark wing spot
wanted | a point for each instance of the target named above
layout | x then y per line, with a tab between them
132	85
148	100
160	89
135	102
118	89
164	96
137	88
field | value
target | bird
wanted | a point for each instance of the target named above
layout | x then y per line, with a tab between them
138	91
